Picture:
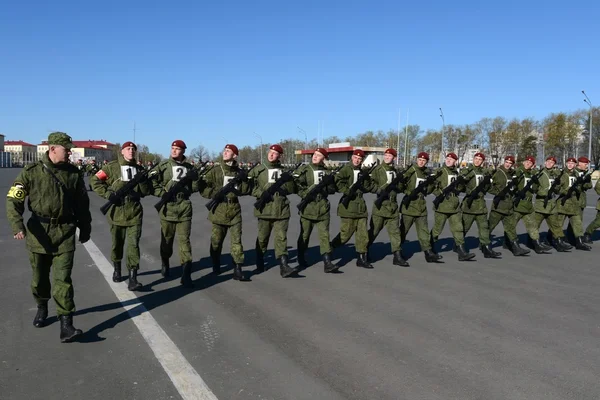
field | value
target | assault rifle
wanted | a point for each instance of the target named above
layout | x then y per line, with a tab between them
487	178
581	179
274	188
242	175
520	195
118	196
553	189
192	175
504	192
360	180
393	185
449	189
312	194
421	188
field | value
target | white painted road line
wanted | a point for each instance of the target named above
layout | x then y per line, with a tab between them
187	381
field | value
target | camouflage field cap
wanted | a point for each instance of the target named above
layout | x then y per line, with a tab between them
60	138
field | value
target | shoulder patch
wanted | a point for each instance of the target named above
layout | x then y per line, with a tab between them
101	175
17	192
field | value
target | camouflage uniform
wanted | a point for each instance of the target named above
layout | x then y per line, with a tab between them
547	212
595	224
572	207
416	211
477	212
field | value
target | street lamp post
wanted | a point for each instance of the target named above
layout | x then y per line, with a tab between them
589	103
261	146
442	136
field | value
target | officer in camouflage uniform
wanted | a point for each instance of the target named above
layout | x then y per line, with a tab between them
91	169
354	217
228	214
316	212
595	224
572	206
477	212
175	215
59	204
125	219
505	207
415	211
547	212
449	209
389	214
275	216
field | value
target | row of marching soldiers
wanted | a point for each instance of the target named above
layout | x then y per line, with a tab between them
59	203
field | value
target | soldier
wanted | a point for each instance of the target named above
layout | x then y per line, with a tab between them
91	169
449	209
227	214
414	206
124	218
354	217
476	211
388	214
572	205
59	204
503	183
545	208
176	214
275	216
595	224
583	164
317	210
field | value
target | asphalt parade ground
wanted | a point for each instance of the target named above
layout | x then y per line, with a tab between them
510	328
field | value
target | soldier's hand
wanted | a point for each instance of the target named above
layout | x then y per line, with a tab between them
84	234
20	236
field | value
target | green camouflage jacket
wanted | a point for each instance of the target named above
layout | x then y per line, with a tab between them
501	178
227	212
450	204
306	177
417	207
382	176
167	174
474	176
344	180
263	176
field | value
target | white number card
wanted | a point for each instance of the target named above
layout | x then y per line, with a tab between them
179	171
356	172
127	172
478	179
391	175
273	175
318	176
451	178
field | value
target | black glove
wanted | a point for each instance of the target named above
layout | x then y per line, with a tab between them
535	179
84	233
113	198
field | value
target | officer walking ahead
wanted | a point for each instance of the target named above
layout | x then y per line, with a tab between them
124	218
59	204
176	214
275	214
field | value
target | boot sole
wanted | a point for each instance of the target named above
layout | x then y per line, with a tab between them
71	338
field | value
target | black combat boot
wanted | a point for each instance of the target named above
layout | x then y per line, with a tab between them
506	243
237	272
517	250
398	260
165	268
488	252
216	261
67	330
117	271
587	239
562	246
430	256
285	270
186	275
463	255
301	259
40	317
336	242
328	266
539	248
361	261
260	261
580	245
133	282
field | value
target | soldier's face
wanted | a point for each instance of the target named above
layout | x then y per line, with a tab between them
272	155
527	164
477	161
508	164
356	160
570	164
450	162
388	158
176	152
317	157
583	166
421	162
128	153
228	155
549	164
60	154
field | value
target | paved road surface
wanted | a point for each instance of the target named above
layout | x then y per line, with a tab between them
515	328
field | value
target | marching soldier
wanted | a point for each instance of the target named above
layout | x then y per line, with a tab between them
449	208
125	217
227	215
316	212
388	214
275	216
570	191
503	184
59	204
583	164
91	169
476	210
419	183
176	214
354	215
595	224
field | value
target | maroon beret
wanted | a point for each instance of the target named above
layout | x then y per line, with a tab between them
453	155
179	143
322	151
129	144
359	152
583	159
277	148
423	155
233	148
392	152
480	155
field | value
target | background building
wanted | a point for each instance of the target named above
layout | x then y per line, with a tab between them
98	150
341	153
22	153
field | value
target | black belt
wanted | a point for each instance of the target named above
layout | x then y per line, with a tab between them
52	220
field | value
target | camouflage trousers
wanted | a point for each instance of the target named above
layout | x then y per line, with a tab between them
265	227
508	223
132	234
482	226
553	225
217	238
575	222
392	224
512	220
422	230
349	227
456	226
168	231
595	224
306	227
61	288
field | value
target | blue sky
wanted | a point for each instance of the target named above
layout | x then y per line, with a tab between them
210	72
